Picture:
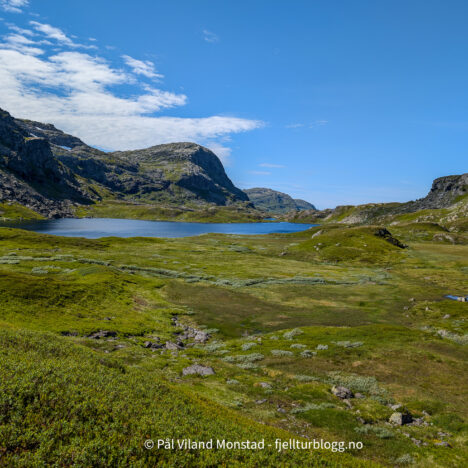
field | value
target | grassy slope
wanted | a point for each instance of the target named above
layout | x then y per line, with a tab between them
204	214
378	310
16	211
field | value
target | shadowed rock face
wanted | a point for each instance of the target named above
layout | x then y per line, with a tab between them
273	201
32	176
47	170
444	192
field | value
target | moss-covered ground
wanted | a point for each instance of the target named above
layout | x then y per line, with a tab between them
289	316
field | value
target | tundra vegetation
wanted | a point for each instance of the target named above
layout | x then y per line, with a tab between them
323	334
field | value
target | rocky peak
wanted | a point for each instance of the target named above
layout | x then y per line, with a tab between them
273	201
444	191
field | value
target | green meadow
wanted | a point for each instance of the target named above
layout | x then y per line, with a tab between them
287	316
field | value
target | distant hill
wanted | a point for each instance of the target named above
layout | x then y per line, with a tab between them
51	172
446	202
272	201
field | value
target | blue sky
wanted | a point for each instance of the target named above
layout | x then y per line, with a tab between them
336	102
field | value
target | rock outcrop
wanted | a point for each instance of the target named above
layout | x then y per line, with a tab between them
272	201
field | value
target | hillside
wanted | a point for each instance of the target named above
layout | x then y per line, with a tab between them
272	201
52	173
100	338
446	203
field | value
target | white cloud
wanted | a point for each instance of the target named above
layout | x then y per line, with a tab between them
58	35
210	36
276	166
140	67
52	32
21	43
79	93
14	6
295	125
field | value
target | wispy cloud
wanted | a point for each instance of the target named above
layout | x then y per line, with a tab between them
82	94
275	166
140	67
58	35
314	124
210	36
318	123
260	172
14	6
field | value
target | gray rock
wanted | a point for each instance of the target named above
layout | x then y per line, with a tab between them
442	443
201	337
102	334
342	392
172	346
400	419
197	369
264	384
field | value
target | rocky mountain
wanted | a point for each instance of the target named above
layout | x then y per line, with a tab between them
50	172
272	201
303	205
447	201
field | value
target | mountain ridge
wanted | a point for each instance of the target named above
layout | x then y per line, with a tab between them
51	172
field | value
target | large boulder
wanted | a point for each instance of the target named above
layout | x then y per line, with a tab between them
400	419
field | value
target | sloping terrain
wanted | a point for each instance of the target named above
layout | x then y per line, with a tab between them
272	201
446	203
51	173
97	337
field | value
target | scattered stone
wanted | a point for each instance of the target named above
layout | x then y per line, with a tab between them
102	334
281	410
400	419
442	443
260	402
67	333
321	346
172	346
419	422
446	316
197	369
264	385
147	344
347	403
416	441
232	382
443	434
342	392
395	407
307	353
201	336
359	395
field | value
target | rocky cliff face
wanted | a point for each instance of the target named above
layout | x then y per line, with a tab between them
272	201
32	176
49	171
444	192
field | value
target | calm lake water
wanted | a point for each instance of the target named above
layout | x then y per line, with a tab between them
93	228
